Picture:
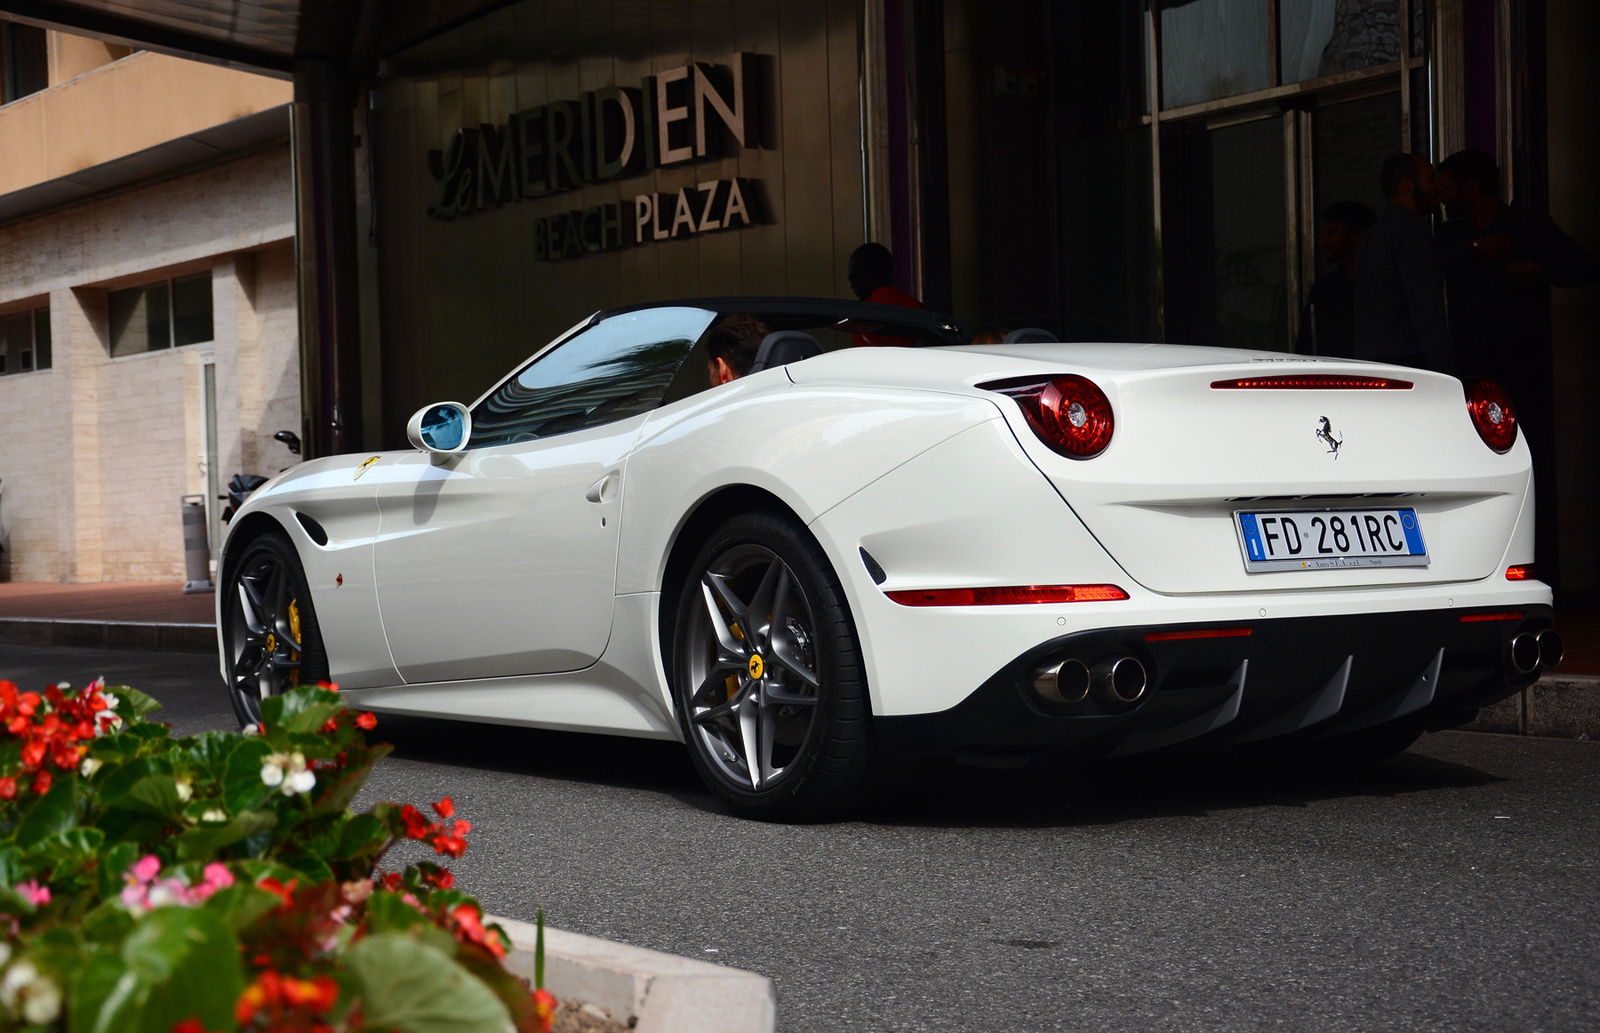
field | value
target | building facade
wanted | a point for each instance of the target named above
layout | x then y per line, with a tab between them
147	300
1140	169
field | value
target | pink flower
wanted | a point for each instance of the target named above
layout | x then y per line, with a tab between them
217	877
33	893
145	868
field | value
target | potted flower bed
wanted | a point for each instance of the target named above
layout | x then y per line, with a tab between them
152	884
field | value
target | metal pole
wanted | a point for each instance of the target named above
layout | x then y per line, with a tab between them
323	143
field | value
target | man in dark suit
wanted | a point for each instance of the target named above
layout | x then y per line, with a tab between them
1400	313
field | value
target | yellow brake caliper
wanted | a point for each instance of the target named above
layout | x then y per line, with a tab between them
294	629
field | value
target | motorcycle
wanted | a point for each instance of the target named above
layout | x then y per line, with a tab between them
240	485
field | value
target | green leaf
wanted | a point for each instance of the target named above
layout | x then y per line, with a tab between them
145	785
71	851
149	732
241	904
336	795
362	834
242	788
13	903
203	843
210	750
131	703
114	865
178	963
108	923
386	912
300	710
408	985
311	868
53	813
10	866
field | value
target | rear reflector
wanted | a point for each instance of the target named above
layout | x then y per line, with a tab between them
1520	573
1173	636
1314	382
1503	615
1009	596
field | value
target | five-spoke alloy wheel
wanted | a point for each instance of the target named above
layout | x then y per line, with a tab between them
271	638
767	671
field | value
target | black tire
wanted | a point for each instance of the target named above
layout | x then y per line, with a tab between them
266	600
818	749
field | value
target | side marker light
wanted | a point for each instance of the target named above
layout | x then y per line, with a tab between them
1522	572
1503	615
1010	596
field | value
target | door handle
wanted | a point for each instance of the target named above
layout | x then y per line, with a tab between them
603	489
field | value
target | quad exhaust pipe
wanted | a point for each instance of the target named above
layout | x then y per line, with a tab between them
1117	681
1536	651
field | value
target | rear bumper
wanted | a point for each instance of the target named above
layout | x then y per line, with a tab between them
1292	677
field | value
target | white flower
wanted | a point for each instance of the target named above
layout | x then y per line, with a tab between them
272	774
185	789
216	814
87	769
17	979
299	782
161	895
64	686
250	730
43	1003
111	700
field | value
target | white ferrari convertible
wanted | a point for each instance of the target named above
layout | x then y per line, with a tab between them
1000	552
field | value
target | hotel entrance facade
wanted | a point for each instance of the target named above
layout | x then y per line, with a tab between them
472	178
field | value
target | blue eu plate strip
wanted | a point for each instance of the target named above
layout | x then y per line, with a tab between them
1408	521
1252	536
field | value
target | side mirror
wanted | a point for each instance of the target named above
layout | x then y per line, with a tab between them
290	440
442	429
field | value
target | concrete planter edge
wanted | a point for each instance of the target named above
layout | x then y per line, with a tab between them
665	992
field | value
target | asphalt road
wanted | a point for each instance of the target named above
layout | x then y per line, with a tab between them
1454	888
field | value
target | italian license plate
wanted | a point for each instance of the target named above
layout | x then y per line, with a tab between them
1330	538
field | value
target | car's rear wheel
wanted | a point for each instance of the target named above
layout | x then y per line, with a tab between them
271	642
767	674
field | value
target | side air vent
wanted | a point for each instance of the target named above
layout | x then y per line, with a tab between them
873	569
317	532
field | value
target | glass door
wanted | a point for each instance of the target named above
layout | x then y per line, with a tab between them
1225	230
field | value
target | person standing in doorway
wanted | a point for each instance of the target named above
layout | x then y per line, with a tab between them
1399	298
1499	263
871	276
1328	326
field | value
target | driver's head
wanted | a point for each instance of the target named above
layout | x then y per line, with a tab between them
871	266
731	346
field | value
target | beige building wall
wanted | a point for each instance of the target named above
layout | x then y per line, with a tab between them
96	452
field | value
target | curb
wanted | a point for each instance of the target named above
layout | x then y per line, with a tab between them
1556	706
665	993
94	634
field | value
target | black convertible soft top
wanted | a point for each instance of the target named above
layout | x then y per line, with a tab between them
924	326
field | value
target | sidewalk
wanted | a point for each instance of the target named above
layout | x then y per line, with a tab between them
107	616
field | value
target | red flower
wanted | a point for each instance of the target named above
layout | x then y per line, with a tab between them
392	882
442	878
33	754
315	995
544	1008
284	893
330	725
417	827
469	928
41	783
446	808
330	686
189	1026
8	789
366	720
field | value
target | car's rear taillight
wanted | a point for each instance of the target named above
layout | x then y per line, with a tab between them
1069	413
1492	415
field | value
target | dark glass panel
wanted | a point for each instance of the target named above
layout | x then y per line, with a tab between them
1212	49
191	310
1327	37
41	338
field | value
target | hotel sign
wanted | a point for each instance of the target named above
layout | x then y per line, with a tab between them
694	113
